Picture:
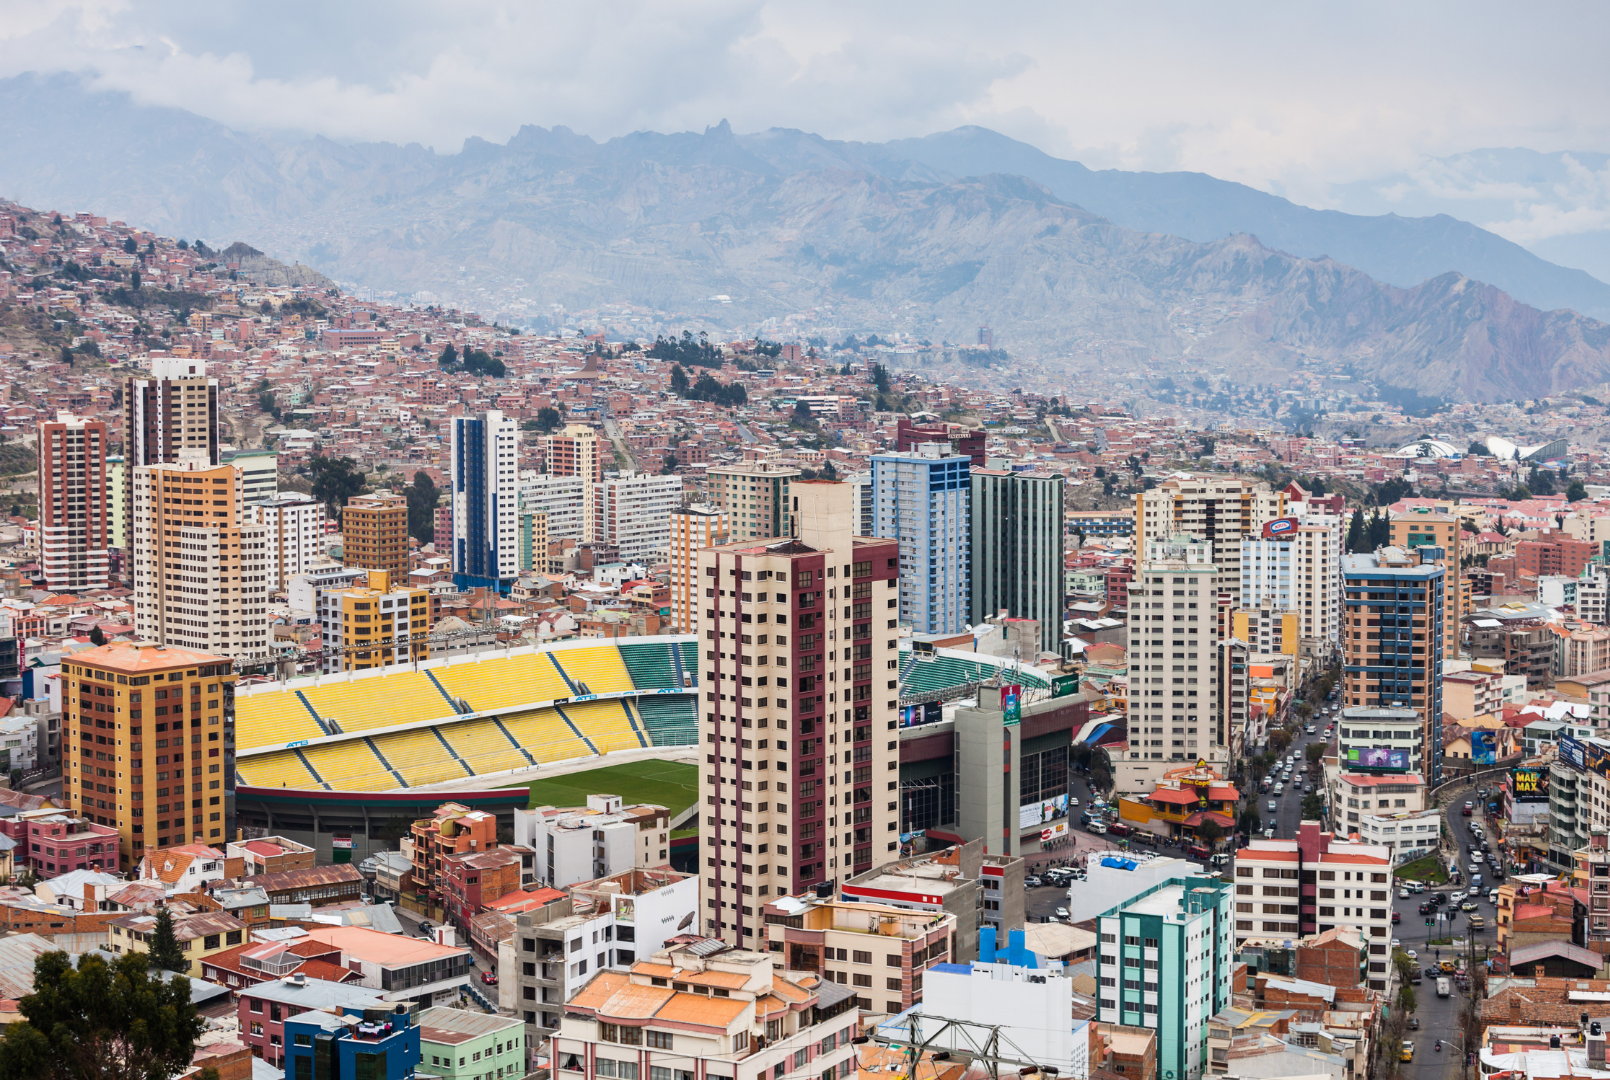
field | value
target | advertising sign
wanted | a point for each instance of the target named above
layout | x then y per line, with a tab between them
1011	699
1280	527
1530	784
1483	747
1595	759
916	715
1571	751
1063	685
1385	759
1041	811
1054	832
341	848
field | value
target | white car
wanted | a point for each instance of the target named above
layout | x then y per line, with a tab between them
1395	943
1403	894
1455	898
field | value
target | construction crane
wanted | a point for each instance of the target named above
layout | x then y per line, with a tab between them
967	1039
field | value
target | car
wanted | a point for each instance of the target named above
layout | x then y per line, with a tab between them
1407	1053
1454	898
1397	917
1280	789
1269	833
1468	809
1062	913
1073	800
1308	789
1426	909
1031	883
1396	943
490	978
1309	729
1118	828
1492	895
1274	807
1411	954
1403	893
1417	886
1469	905
1414	1021
1432	972
1097	827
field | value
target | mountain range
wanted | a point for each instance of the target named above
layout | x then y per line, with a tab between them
952	231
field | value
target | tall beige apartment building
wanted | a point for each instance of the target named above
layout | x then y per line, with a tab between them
201	577
755	495
799	711
169	411
693	528
1218	509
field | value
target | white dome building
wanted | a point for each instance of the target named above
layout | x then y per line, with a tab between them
1429	448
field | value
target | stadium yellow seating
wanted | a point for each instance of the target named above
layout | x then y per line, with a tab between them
272	716
419	756
350	766
504	681
605	724
601	669
545	734
283	769
487	749
402	697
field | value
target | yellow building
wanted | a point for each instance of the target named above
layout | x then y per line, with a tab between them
201	935
127	708
373	626
1419	528
1267	631
374	533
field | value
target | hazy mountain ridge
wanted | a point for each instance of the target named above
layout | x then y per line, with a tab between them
784	221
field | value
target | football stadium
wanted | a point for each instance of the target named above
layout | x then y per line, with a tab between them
344	755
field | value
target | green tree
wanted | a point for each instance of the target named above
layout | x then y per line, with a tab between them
1279	739
134	281
1313	808
423	497
880	378
548	419
1210	832
97	636
668	465
335	480
1355	533
449	355
802	414
108	1019
1576	491
1314	752
165	953
679	381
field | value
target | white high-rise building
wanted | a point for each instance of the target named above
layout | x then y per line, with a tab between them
486	502
295	524
1297	567
201	578
634	514
1173	714
564	499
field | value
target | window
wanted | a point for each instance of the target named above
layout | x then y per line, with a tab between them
660	1040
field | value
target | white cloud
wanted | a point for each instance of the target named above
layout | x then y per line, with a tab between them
1298	99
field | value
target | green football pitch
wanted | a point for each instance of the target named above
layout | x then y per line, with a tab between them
671	784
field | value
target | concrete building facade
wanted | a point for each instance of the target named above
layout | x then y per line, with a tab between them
924	504
75	520
1017	546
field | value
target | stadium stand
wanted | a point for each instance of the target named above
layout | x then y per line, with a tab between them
483	745
420	757
651	665
606	725
545	735
945	671
283	769
268	719
669	720
599	670
347	766
402	697
502	682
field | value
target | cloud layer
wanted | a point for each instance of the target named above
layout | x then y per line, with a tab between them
1304	100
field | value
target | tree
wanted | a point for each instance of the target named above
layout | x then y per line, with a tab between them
108	1019
1314	752
165	954
67	356
1249	822
422	499
668	465
335	480
449	355
1280	738
129	245
1313	808
880	378
548	419
134	281
679	381
828	471
1576	492
1355	533
802	414
97	636
1210	832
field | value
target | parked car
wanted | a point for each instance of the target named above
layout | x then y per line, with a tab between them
1062	913
1403	893
1198	851
1118	828
490	978
1397	917
1031	883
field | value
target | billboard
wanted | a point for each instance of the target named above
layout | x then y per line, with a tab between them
1054	832
1011	703
1280	527
1063	685
917	715
1572	752
1382	758
1483	747
1530	784
1041	811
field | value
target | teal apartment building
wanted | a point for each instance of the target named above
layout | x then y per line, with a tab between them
461	1044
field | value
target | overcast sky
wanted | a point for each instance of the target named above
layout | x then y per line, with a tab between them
1298	99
